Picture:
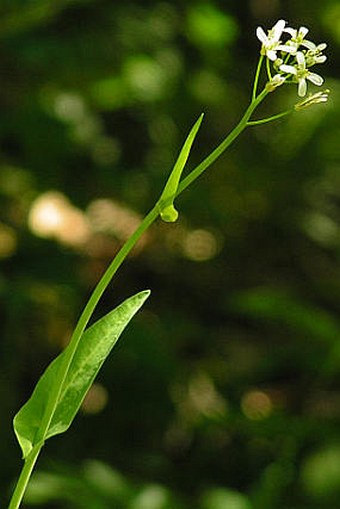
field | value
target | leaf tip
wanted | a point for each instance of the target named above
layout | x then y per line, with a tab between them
144	295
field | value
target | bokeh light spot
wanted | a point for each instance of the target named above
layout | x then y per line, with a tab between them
95	400
69	107
146	77
151	497
8	241
210	27
52	216
200	245
321	472
204	397
222	498
107	216
256	405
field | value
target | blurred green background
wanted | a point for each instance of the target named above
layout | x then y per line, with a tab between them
224	391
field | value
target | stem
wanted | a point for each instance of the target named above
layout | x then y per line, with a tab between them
25	475
153	214
150	218
268	69
147	221
243	123
99	290
87	313
79	329
269	119
257	75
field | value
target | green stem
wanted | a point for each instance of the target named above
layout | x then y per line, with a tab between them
269	119
152	215
257	76
87	313
268	69
243	123
99	290
79	329
24	478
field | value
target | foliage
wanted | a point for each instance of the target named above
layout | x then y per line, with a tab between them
73	371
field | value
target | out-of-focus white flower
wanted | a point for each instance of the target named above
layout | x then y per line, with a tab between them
271	42
319	97
275	82
315	56
301	73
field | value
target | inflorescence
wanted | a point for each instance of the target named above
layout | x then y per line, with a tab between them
290	56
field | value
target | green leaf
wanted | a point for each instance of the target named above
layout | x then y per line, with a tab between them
166	203
94	346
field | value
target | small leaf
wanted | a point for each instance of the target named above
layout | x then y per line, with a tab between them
166	203
94	346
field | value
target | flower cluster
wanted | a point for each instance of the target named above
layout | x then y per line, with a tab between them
291	55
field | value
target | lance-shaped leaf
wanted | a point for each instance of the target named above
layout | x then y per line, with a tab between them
166	203
93	348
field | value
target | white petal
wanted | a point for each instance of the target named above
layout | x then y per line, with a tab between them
303	31
287	49
322	46
277	80
315	78
271	54
288	68
317	59
291	31
309	45
302	87
300	58
279	25
261	35
278	29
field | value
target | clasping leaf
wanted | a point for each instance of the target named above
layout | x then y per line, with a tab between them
94	346
166	203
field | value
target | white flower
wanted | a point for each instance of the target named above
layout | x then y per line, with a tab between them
319	97
275	82
315	56
271	43
298	38
301	74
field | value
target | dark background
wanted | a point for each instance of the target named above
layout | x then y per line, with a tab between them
224	391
